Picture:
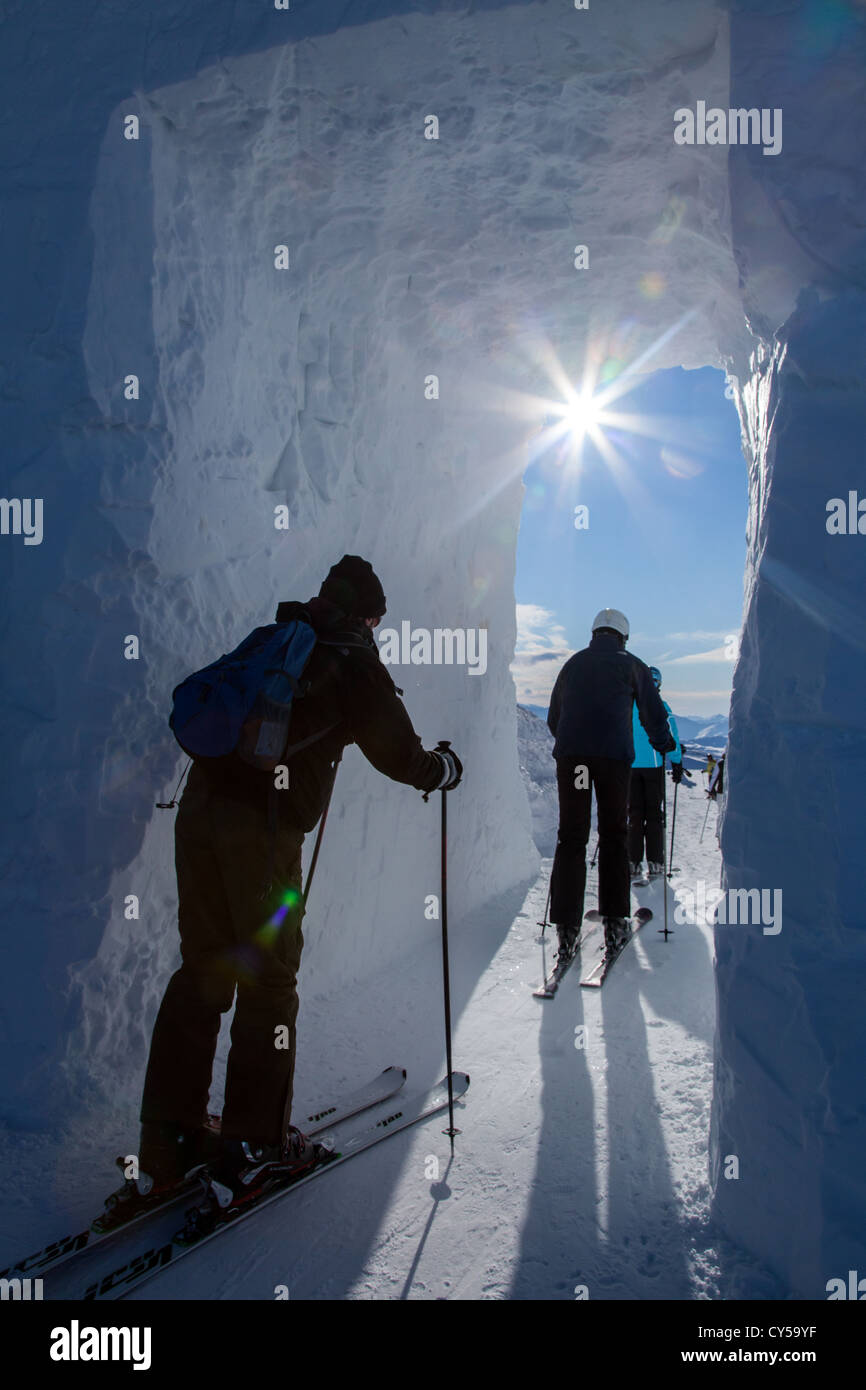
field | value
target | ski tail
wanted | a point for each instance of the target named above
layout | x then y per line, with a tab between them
596	977
402	1115
381	1088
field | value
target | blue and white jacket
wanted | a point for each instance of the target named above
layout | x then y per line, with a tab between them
644	753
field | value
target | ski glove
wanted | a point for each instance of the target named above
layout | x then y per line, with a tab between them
669	746
452	771
677	771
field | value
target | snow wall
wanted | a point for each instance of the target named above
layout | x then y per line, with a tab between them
790	1087
408	259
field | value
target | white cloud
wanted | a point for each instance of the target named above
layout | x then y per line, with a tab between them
716	654
540	652
695	695
700	635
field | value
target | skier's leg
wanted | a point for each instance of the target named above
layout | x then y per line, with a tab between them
269	941
568	877
636	816
185	1034
611	777
655	840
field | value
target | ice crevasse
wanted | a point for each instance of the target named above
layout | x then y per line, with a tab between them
411	259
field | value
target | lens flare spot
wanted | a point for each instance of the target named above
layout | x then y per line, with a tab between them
680	465
652	285
267	934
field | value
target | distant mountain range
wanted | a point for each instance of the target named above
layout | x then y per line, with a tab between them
705	731
709	731
700	733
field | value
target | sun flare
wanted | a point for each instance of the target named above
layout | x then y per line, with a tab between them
582	415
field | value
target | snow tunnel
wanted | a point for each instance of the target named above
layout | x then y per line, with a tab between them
329	256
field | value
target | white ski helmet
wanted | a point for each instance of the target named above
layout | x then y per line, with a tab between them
611	617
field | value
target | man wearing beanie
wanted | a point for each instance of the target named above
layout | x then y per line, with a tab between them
238	857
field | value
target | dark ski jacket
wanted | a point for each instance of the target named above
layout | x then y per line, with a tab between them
349	688
590	712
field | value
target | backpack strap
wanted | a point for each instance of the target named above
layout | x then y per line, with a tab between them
305	742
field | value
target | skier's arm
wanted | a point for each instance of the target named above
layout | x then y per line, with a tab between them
555	702
677	754
651	710
383	730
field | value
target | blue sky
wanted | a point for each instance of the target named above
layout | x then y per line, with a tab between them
665	541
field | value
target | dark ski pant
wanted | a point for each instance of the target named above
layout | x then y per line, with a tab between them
232	940
609	777
645	815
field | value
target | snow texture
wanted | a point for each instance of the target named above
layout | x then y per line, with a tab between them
408	258
582	1158
535	752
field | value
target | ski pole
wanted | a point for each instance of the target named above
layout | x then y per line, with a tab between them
170	805
442	746
706	818
543	924
673	829
306	891
665	838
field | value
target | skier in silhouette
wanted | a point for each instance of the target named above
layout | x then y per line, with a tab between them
590	717
238	858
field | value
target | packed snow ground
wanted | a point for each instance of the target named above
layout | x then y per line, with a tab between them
576	1165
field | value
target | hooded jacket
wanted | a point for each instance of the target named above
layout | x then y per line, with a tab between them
590	712
644	753
350	689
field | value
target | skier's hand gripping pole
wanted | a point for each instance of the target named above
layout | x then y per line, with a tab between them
455	770
665	834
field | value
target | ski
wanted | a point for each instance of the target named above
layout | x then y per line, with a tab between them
551	984
548	989
380	1089
597	976
136	1272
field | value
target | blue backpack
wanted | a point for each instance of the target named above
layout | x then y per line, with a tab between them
242	703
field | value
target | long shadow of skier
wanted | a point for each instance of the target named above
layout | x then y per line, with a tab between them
602	1221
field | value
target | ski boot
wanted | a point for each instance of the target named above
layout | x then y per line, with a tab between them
617	931
169	1160
567	937
636	872
656	870
245	1171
